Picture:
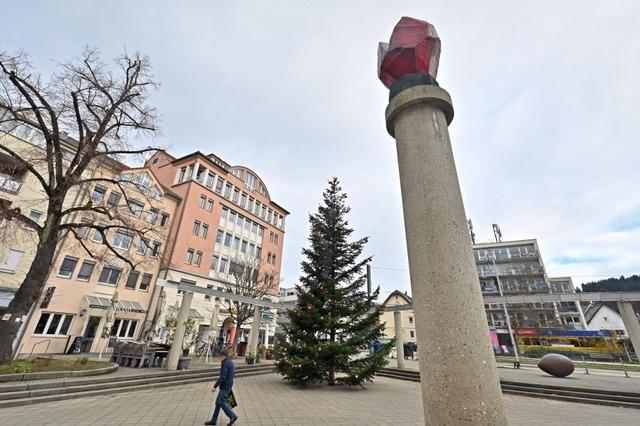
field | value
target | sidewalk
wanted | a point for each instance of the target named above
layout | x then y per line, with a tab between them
597	379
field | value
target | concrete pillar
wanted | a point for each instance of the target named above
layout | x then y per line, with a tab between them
460	383
631	323
583	320
213	326
178	337
397	323
266	335
255	331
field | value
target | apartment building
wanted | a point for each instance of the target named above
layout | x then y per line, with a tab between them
398	298
227	219
91	296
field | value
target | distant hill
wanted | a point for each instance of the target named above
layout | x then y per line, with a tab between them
631	283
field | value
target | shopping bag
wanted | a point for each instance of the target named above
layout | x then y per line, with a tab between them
231	400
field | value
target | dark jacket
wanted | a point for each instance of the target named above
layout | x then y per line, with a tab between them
227	373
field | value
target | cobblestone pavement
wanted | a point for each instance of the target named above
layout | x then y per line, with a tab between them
266	400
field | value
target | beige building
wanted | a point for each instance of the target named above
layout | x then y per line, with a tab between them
90	294
408	320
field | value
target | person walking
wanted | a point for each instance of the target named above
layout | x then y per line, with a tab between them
225	383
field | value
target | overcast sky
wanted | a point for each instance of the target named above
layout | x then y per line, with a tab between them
547	100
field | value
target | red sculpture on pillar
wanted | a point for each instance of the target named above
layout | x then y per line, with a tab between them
414	48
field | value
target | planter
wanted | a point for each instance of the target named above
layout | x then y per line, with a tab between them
185	352
249	361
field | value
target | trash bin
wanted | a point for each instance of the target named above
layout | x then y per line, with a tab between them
183	363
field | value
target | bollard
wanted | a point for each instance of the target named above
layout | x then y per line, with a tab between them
586	370
624	368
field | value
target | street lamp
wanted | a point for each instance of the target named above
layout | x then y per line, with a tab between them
516	364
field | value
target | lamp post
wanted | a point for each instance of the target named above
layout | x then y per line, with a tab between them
460	383
516	364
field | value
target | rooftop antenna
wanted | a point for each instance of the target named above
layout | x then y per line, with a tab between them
471	233
497	233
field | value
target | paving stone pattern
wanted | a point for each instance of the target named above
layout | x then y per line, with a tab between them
266	400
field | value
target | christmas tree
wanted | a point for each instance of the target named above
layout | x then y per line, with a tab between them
334	320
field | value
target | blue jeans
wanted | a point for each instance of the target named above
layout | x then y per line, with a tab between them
221	402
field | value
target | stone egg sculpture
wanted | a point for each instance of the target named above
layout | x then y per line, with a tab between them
556	365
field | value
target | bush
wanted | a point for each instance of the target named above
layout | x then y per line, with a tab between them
83	360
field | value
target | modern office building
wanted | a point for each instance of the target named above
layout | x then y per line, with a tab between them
227	220
571	313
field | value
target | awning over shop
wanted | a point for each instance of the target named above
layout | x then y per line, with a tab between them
122	305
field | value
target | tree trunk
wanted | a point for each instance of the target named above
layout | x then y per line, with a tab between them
332	367
29	292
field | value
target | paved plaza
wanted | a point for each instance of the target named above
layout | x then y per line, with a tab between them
266	400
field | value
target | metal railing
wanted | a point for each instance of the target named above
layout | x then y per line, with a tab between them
37	343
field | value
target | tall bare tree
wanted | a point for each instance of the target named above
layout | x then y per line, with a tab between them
86	114
250	278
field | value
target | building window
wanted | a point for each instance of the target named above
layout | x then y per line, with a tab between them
155	249
68	266
86	269
145	282
271	237
122	240
260	231
164	220
214	262
141	249
132	280
205	231
219	185
410	320
243	247
252	249
269	215
227	239
97	236
53	324
208	296
98	194
124	328
223	265
251	181
200	174
269	257
203	201
273	259
181	174
247	224
11	261
196	227
243	200
219	237
114	199
250	205
263	212
135	208
109	275
209	205
240	221
197	258
232	217
152	216
82	232
254	228
35	216
258	251
256	209
236	195
189	256
275	239
210	178
412	333
236	243
227	191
